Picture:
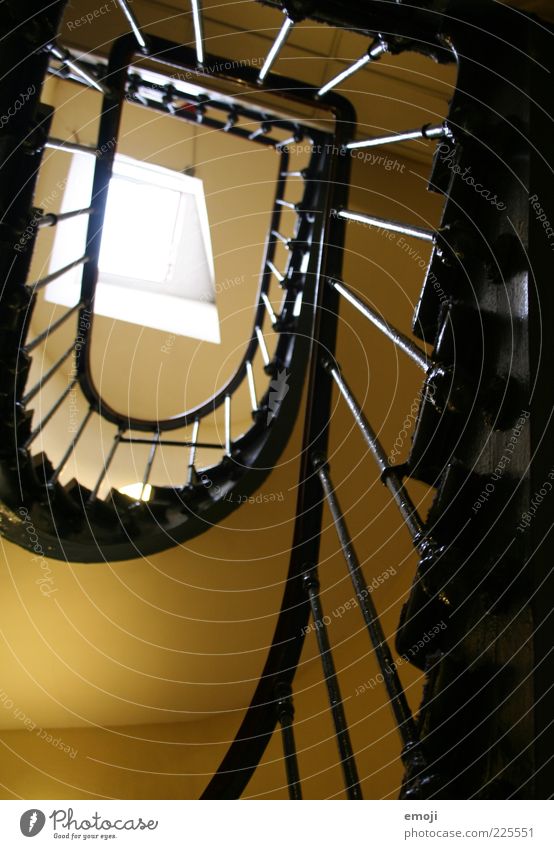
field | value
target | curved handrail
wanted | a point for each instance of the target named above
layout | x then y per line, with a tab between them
77	526
163	51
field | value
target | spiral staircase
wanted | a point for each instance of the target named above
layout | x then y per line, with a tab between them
483	729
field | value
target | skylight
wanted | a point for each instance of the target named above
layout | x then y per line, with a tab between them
155	241
136	243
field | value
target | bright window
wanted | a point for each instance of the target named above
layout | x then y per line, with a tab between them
136	244
156	241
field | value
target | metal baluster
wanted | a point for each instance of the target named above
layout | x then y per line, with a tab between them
263	346
149	464
348	762
274	270
174	443
416	353
287	204
269	308
70	147
46	377
295	139
133	23
92	497
133	89
401	710
232	119
228	425
374	52
71	448
50	219
65	56
262	130
30	346
251	386
44	281
281	238
276	48
297	308
53	409
386	224
285	716
426	132
168	99
192	453
389	476
197	21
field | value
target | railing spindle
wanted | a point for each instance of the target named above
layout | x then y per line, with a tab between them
287	204
192	453
251	386
46	377
348	762
386	224
149	464
275	271
285	716
416	353
228	425
50	219
389	476
30	346
269	308
133	23
53	409
426	132
401	710
198	35
70	147
276	48
374	52
281	238
263	346
107	463
71	448
44	281
65	56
